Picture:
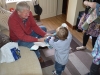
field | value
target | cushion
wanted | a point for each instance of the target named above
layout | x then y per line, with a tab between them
4	39
28	64
4	16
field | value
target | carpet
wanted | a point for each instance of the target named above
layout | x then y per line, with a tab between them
79	61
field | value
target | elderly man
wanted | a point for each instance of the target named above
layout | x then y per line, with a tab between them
23	28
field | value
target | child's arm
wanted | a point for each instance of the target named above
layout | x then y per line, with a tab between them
52	42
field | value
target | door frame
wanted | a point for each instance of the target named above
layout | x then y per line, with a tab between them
67	8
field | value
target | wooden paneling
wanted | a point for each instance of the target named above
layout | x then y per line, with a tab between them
49	8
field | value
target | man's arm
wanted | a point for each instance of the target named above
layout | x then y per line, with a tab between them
18	31
35	27
38	30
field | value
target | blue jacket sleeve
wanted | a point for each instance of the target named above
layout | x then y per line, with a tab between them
96	51
98	9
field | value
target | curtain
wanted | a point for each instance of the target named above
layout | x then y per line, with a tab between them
3	4
37	1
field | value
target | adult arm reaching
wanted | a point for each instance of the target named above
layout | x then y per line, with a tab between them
93	5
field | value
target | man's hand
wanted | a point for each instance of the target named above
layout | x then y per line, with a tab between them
41	39
82	18
48	34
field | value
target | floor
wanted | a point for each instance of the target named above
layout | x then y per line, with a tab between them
79	62
53	22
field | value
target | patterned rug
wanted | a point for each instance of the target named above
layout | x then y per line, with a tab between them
78	64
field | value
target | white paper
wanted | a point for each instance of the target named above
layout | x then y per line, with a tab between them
34	47
41	44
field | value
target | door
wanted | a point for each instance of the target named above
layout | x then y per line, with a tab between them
64	7
49	8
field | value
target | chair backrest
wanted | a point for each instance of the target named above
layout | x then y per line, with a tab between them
4	16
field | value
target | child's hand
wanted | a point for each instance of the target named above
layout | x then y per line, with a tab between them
64	25
53	38
47	39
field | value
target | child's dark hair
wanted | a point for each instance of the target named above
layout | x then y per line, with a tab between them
62	33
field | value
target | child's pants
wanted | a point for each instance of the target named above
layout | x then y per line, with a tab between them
94	69
59	68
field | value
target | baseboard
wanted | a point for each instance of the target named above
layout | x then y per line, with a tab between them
59	13
72	27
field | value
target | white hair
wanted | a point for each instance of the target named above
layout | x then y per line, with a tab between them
22	5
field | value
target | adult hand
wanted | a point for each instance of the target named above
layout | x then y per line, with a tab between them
48	34
41	39
91	4
84	31
82	18
86	3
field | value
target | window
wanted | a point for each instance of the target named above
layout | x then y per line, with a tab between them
11	1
